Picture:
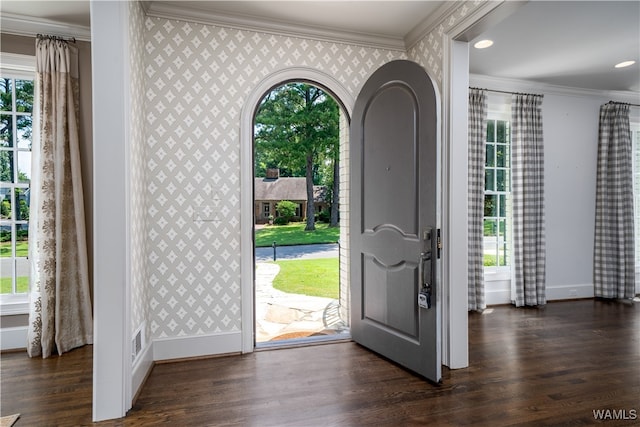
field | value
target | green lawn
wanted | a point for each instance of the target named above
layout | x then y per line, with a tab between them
294	234
5	285
490	260
314	277
22	249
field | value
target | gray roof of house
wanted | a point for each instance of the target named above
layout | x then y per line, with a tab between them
286	188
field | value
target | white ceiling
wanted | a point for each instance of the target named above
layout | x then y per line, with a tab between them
572	43
565	43
73	12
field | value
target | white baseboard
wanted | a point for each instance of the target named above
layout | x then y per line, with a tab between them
13	338
196	346
500	293
141	368
561	292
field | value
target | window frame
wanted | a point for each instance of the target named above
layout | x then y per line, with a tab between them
18	67
499	108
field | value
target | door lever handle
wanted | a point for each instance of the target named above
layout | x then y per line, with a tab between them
424	294
424	257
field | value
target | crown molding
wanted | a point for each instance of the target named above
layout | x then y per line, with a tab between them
22	25
17	62
423	29
171	10
530	86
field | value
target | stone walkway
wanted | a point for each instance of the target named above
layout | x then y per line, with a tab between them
280	315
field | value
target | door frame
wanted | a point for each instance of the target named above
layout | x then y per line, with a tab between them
454	139
247	272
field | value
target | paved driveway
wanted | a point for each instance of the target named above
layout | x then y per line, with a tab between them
329	250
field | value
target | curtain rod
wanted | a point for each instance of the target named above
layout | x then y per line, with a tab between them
627	103
58	38
508	93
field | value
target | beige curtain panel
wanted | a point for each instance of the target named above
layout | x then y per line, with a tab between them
60	317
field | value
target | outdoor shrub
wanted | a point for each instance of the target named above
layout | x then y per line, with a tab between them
281	221
287	209
5	209
324	216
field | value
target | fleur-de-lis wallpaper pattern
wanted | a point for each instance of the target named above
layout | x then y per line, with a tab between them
189	83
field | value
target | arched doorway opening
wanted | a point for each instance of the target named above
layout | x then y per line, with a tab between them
335	312
299	295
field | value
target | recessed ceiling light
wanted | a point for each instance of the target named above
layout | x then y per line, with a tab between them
625	64
482	44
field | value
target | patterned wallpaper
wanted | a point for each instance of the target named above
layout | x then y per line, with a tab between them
197	77
187	201
139	223
429	52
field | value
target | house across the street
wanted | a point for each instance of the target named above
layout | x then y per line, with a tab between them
272	189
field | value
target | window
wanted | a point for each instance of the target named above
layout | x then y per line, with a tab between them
266	210
497	184
16	135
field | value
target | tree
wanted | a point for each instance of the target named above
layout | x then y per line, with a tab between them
295	125
23	104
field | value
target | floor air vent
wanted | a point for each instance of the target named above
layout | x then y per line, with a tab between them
136	344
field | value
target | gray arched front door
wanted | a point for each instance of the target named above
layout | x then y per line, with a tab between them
394	178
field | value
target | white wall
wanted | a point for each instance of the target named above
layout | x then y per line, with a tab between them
571	149
570	121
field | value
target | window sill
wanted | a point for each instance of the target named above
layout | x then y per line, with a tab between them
496	274
13	308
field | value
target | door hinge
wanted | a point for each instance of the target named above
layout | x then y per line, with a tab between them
439	244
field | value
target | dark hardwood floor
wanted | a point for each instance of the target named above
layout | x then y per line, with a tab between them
529	367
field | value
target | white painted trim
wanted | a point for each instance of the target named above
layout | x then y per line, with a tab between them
483	18
128	335
141	368
20	305
455	350
499	292
112	330
257	24
13	338
30	26
16	66
455	159
423	29
196	346
23	64
246	178
561	292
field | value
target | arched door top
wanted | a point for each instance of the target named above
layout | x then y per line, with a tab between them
344	98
